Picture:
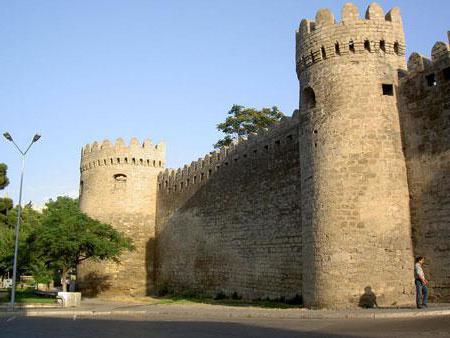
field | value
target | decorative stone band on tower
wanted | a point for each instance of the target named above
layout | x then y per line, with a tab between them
118	186
355	212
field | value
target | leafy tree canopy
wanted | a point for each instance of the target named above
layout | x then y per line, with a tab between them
30	219
242	121
3	179
66	236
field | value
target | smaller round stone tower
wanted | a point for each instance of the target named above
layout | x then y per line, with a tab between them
118	186
356	228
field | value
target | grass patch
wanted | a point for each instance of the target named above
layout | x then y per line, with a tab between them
27	296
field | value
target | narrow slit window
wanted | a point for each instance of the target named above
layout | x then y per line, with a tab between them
388	89
337	49
324	53
351	46
383	46
367	45
431	80
396	48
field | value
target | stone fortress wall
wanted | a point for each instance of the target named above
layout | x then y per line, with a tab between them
116	188
321	205
425	117
230	222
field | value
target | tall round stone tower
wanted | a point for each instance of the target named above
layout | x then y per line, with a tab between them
118	186
355	203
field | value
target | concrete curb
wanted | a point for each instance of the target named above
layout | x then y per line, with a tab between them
239	314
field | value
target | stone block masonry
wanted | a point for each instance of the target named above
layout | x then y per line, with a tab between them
230	223
116	188
331	204
425	117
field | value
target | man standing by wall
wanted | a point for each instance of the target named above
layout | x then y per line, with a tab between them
421	283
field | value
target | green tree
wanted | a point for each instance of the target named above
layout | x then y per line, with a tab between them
30	219
66	237
242	121
3	178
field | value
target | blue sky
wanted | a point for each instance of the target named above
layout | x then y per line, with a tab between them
86	70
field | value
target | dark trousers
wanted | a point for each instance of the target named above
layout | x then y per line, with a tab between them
421	293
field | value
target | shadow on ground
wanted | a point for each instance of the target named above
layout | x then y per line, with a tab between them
162	327
31	327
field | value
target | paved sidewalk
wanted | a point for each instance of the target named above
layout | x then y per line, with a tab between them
99	308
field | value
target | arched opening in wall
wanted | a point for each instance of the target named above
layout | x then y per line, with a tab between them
396	48
111	161
383	46
148	163
120	181
126	160
118	160
154	163
104	162
351	46
160	163
308	98
81	187
133	161
367	45
323	52
141	161
337	48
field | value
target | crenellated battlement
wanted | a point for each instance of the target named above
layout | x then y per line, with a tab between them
440	54
325	38
256	145
106	154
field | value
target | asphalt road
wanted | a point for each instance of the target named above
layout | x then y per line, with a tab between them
155	327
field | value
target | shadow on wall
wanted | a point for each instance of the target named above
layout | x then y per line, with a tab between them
425	125
150	264
95	283
368	299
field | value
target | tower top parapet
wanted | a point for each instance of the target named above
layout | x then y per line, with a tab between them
137	153
325	38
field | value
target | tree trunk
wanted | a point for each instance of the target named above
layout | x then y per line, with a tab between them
64	279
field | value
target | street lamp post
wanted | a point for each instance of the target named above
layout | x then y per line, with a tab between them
19	210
